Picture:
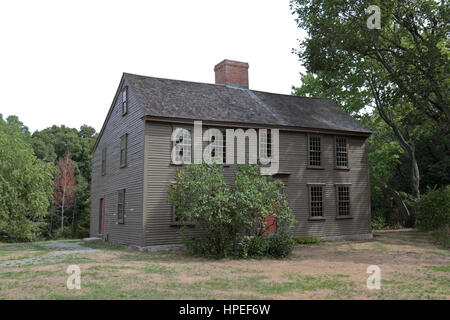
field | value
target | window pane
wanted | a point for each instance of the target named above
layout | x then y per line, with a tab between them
314	151
341	152
183	146
316	201
123	150
343	198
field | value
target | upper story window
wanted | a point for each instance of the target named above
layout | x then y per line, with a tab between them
343	200
341	152
124	100
316	200
123	150
121	206
182	146
266	145
314	151
217	145
103	161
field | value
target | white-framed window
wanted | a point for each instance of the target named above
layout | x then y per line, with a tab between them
266	144
216	147
181	146
124	100
314	151
121	207
123	150
343	200
341	152
103	161
316	199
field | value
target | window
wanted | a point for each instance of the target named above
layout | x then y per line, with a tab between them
341	152
314	151
266	145
124	100
224	147
121	207
123	150
182	148
103	161
343	200
316	200
217	145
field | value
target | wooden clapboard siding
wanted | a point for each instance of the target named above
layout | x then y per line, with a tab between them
129	178
293	159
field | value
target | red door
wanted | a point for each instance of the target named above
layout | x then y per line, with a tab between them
102	210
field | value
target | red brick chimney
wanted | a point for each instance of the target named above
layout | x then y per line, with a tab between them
232	73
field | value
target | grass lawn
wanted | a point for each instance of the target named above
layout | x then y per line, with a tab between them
412	267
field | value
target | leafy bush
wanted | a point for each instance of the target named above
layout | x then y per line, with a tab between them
277	245
308	240
253	246
281	244
442	236
433	209
25	185
378	222
227	215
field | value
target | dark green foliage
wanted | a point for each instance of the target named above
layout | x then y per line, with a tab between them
25	184
281	244
254	246
51	143
226	214
442	236
277	245
308	240
395	80
433	209
378	222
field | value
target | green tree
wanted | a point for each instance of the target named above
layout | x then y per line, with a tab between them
411	47
51	143
402	69
25	184
226	215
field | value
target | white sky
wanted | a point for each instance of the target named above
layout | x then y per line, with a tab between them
61	61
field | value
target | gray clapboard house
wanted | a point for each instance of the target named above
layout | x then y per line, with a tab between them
323	155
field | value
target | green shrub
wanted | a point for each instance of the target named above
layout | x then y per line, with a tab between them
308	240
253	246
281	244
378	222
226	215
432	210
442	236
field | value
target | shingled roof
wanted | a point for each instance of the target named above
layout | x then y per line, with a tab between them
216	102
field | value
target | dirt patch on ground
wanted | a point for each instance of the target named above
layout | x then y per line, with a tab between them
412	267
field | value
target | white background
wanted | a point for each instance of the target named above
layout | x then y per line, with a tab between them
61	61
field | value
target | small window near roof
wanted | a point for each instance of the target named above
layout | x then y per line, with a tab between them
341	152
124	100
343	200
103	161
314	151
121	207
123	150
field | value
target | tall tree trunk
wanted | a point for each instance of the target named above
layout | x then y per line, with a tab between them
414	174
62	210
407	146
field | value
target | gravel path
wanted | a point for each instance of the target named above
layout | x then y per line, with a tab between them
57	249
